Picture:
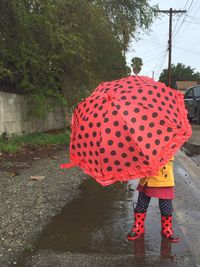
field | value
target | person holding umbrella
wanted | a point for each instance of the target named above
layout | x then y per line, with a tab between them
160	186
130	129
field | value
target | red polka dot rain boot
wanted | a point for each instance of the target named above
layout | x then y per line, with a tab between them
167	231
138	227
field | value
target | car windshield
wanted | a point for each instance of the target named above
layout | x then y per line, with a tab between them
197	92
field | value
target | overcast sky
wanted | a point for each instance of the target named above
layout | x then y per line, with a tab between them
152	47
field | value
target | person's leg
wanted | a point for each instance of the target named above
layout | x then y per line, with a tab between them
139	217
166	209
142	203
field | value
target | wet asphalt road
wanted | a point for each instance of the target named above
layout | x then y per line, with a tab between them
91	229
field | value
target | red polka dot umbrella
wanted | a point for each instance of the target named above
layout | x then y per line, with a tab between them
127	129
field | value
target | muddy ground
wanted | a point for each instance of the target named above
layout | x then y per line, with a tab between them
26	205
27	155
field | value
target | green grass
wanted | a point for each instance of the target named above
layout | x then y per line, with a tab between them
16	142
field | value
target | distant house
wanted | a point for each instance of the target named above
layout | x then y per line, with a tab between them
183	85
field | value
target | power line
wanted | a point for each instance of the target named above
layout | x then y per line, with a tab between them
179	19
186	50
154	58
183	19
193	22
194	18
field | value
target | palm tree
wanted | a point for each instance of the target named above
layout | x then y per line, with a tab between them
136	64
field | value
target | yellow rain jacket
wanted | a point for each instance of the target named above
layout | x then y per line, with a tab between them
165	177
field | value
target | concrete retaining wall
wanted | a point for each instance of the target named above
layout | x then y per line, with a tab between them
14	117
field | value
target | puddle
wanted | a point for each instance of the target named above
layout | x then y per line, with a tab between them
98	221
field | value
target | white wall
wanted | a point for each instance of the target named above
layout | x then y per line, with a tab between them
14	118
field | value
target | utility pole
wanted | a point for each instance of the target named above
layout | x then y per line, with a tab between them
170	12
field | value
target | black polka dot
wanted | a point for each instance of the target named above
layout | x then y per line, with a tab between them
113	153
120	145
149	135
154	152
134	97
133	119
169	129
150	92
151	124
128	138
110	142
166	138
118	134
114	112
154	114
159	132
136	110
147	145
102	150
108	130
144	118
157	141
91	143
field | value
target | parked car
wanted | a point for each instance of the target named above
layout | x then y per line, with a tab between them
192	103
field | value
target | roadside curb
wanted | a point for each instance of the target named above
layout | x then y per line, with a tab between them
188	165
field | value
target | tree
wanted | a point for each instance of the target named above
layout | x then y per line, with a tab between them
127	18
62	49
136	64
180	72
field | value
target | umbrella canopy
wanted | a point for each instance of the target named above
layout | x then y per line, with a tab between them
127	129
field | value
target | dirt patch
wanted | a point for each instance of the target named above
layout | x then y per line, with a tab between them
14	162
